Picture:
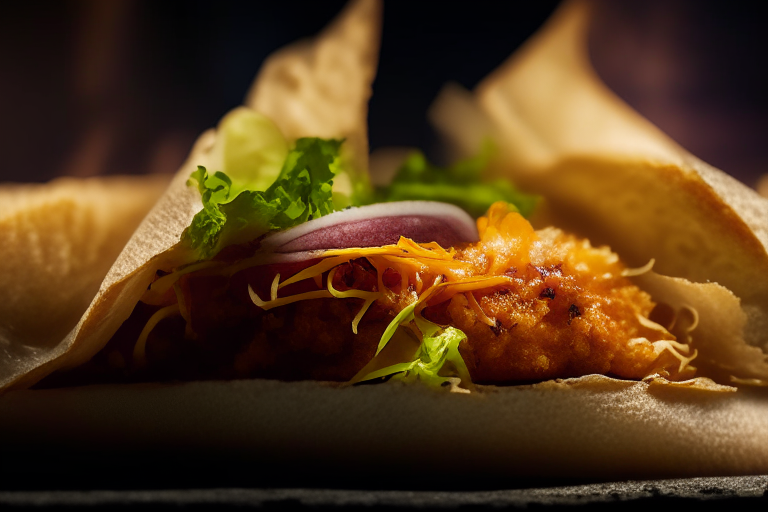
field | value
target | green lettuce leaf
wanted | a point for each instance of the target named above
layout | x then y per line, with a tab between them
206	225
250	149
302	191
437	359
460	184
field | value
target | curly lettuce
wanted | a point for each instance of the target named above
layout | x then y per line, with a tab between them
461	184
303	190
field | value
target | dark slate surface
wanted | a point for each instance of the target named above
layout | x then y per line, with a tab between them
746	493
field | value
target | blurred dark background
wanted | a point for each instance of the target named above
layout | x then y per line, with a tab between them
124	86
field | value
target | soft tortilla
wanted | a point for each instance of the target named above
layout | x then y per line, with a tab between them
57	242
611	176
589	428
592	427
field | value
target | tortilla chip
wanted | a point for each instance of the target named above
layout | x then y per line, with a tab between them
57	242
611	176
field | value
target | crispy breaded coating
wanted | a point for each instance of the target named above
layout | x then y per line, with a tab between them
567	312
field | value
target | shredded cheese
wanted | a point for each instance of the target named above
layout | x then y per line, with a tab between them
678	350
406	257
695	315
139	355
369	297
478	310
315	270
650	324
404	247
269	304
273	290
686	332
158	289
359	315
357	294
632	272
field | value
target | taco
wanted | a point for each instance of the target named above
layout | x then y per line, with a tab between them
252	272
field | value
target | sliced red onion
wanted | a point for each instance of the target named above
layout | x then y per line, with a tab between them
376	225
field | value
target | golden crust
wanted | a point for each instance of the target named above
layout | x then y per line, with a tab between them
567	311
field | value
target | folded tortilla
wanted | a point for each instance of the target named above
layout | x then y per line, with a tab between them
590	427
57	242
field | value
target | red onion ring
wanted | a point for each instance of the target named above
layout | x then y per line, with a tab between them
376	225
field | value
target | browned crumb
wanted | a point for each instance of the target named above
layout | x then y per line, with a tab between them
568	312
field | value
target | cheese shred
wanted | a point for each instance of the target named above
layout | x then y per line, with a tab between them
369	297
282	301
139	356
478	310
273	290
